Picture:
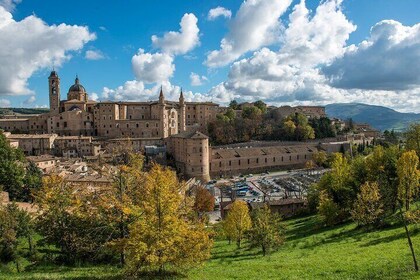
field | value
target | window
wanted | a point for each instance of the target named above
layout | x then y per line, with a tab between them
257	160
248	161
265	160
220	164
274	159
230	163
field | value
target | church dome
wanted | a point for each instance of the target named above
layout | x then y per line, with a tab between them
77	86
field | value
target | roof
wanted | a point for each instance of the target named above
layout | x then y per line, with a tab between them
41	158
28	136
286	201
191	135
247	152
77	86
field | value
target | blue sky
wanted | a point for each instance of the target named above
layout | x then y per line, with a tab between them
301	74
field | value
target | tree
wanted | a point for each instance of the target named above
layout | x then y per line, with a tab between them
266	231
233	105
32	181
412	136
367	209
12	170
163	236
328	209
238	221
204	201
320	158
408	175
261	105
14	225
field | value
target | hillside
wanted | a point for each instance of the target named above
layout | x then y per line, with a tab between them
310	252
10	111
379	117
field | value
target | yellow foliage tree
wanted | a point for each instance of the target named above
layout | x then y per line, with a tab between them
163	236
408	175
368	206
238	221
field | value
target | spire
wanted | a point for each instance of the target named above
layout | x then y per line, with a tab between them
181	98
77	80
161	97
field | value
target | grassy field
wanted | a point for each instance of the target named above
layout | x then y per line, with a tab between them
310	252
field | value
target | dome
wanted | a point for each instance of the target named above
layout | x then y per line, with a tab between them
77	86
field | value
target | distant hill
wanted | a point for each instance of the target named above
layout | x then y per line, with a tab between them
24	111
379	117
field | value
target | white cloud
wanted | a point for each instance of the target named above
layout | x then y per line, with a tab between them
31	99
295	74
197	80
30	45
9	5
93	96
219	12
4	103
136	91
152	68
256	24
181	42
94	55
388	60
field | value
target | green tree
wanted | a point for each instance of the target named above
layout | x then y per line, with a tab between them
15	224
12	169
238	221
163	236
32	181
367	209
261	105
412	136
233	105
267	231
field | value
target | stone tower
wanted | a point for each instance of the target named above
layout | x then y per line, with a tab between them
182	126
54	92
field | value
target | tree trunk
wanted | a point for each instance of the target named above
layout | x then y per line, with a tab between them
238	243
416	267
264	250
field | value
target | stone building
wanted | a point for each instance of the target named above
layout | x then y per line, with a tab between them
79	116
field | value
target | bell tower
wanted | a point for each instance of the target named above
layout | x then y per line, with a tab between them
54	92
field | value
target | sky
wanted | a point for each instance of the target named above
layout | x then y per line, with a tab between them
284	52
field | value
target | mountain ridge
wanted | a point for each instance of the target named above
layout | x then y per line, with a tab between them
379	117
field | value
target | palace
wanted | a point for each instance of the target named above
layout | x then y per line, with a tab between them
79	127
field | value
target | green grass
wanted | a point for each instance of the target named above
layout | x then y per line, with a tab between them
310	252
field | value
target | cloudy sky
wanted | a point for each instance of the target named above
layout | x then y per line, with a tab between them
280	51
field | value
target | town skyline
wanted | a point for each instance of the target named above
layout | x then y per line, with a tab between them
203	49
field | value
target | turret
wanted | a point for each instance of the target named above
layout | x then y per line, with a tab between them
161	97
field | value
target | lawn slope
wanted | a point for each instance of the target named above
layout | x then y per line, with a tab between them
310	252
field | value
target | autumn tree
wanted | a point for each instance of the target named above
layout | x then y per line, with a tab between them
267	231
320	158
162	236
408	175
238	221
368	207
328	209
204	201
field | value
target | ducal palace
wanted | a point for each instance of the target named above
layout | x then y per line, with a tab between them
81	127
